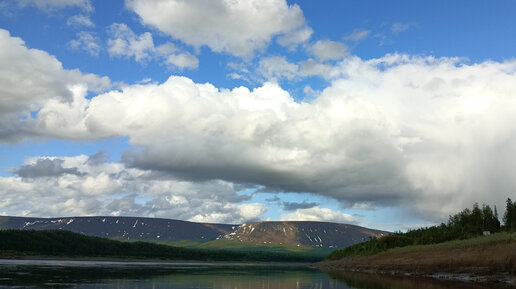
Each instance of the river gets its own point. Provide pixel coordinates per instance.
(143, 275)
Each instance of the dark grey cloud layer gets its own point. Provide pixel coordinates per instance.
(45, 168)
(292, 206)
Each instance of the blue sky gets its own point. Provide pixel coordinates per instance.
(387, 114)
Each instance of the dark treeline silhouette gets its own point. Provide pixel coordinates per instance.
(509, 218)
(68, 244)
(464, 225)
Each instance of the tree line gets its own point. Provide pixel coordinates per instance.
(69, 244)
(464, 225)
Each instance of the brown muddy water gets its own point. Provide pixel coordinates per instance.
(143, 275)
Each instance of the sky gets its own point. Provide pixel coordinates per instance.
(385, 114)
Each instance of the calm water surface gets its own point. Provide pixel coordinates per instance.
(97, 274)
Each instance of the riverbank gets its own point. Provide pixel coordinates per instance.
(483, 259)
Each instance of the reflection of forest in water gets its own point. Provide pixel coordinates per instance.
(373, 281)
(167, 276)
(175, 276)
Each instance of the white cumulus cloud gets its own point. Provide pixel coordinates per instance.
(124, 42)
(232, 214)
(356, 35)
(292, 39)
(31, 77)
(88, 185)
(182, 60)
(328, 50)
(87, 42)
(80, 20)
(318, 214)
(277, 67)
(238, 27)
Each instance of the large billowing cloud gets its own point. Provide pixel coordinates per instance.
(338, 146)
(430, 134)
(30, 77)
(238, 27)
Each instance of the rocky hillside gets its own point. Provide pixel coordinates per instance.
(306, 234)
(314, 234)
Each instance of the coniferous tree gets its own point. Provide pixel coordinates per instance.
(475, 221)
(509, 218)
(490, 219)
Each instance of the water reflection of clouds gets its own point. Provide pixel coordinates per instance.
(143, 275)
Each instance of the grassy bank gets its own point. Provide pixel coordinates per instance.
(486, 255)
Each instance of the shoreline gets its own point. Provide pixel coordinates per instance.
(466, 276)
(376, 280)
(44, 260)
(479, 260)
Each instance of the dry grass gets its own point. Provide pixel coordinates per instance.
(495, 254)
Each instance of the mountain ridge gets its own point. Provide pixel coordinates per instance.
(185, 233)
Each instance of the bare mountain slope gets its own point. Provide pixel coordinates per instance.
(314, 234)
(124, 228)
(306, 234)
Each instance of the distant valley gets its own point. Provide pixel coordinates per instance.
(278, 235)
